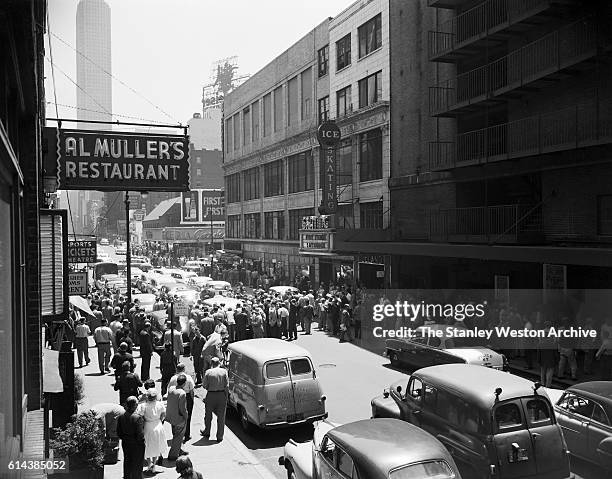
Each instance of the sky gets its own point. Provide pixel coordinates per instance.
(164, 49)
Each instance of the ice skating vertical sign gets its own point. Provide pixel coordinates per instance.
(328, 135)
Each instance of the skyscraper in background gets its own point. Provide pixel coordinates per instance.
(94, 95)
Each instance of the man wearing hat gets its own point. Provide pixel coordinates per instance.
(130, 429)
(216, 384)
(176, 415)
(127, 383)
(121, 357)
(146, 350)
(124, 335)
(189, 388)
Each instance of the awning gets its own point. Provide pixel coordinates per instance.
(81, 303)
(516, 254)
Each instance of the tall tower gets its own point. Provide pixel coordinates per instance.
(94, 95)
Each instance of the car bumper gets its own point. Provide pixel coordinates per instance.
(281, 424)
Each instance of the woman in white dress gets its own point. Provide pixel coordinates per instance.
(154, 413)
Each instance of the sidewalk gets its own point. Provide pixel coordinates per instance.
(229, 458)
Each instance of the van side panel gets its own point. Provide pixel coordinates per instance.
(278, 393)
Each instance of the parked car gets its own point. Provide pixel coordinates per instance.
(494, 424)
(104, 242)
(222, 300)
(145, 300)
(186, 293)
(110, 281)
(430, 350)
(121, 250)
(183, 276)
(283, 290)
(583, 412)
(219, 286)
(199, 282)
(370, 448)
(273, 383)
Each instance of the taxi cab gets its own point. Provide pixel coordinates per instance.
(424, 350)
(494, 424)
(370, 449)
(272, 383)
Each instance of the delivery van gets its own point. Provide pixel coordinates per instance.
(272, 383)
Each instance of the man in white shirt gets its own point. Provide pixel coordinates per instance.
(81, 341)
(189, 388)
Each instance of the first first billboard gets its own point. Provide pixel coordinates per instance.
(121, 161)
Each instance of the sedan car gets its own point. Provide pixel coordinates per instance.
(430, 350)
(283, 290)
(584, 412)
(104, 242)
(199, 282)
(370, 448)
(145, 300)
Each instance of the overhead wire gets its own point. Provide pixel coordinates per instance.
(114, 77)
(99, 111)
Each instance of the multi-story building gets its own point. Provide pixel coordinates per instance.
(270, 146)
(512, 180)
(205, 168)
(22, 116)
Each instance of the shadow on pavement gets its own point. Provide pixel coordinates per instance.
(267, 439)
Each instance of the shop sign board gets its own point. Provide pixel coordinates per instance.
(319, 241)
(322, 222)
(329, 136)
(77, 284)
(181, 308)
(82, 251)
(121, 161)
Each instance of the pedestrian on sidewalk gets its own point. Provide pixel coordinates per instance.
(346, 324)
(121, 357)
(127, 384)
(189, 389)
(81, 341)
(216, 384)
(154, 414)
(196, 346)
(176, 415)
(167, 364)
(185, 468)
(130, 429)
(146, 350)
(308, 315)
(102, 337)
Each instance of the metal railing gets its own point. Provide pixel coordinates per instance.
(581, 125)
(481, 20)
(551, 53)
(503, 223)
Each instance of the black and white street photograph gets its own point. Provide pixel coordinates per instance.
(306, 239)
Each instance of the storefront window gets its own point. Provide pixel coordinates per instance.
(6, 317)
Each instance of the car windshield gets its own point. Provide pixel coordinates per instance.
(423, 470)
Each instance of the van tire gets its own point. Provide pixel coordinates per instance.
(244, 419)
(393, 359)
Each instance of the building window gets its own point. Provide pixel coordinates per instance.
(343, 101)
(344, 216)
(278, 109)
(370, 155)
(371, 215)
(370, 36)
(198, 171)
(323, 60)
(274, 179)
(295, 221)
(274, 225)
(236, 131)
(604, 215)
(232, 188)
(246, 126)
(252, 225)
(301, 172)
(324, 109)
(251, 184)
(343, 52)
(199, 160)
(255, 120)
(370, 90)
(344, 162)
(306, 94)
(232, 226)
(292, 104)
(229, 135)
(267, 114)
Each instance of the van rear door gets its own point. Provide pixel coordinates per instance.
(548, 446)
(306, 390)
(278, 391)
(513, 442)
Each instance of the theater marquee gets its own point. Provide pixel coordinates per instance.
(111, 161)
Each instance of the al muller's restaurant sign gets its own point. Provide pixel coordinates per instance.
(112, 161)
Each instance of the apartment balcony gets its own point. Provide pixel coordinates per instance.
(465, 33)
(567, 47)
(504, 224)
(579, 126)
